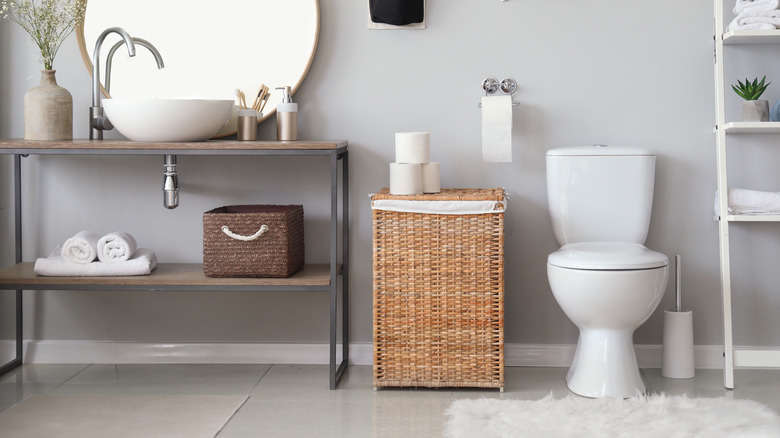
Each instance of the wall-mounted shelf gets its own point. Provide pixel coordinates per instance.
(189, 276)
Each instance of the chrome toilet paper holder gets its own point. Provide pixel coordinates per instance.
(506, 86)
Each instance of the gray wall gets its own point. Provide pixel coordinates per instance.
(620, 73)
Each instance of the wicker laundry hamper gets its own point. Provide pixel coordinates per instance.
(438, 291)
(253, 241)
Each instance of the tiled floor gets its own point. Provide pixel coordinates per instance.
(293, 400)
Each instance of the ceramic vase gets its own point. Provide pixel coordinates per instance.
(755, 111)
(774, 112)
(48, 110)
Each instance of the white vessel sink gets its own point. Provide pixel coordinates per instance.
(161, 120)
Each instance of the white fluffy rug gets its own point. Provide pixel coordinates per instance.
(652, 416)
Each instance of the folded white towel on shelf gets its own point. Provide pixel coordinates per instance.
(81, 248)
(744, 201)
(734, 25)
(142, 263)
(116, 247)
(764, 20)
(755, 5)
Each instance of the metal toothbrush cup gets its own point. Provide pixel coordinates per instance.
(247, 125)
(678, 360)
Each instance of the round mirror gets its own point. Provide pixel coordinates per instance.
(209, 52)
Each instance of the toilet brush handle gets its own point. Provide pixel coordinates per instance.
(678, 288)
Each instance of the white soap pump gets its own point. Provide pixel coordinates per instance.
(286, 117)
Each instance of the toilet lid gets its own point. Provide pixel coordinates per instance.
(607, 256)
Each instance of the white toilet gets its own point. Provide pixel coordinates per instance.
(604, 279)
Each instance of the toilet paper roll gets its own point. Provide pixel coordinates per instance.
(412, 147)
(405, 178)
(678, 345)
(431, 178)
(497, 129)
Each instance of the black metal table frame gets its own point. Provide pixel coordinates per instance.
(340, 153)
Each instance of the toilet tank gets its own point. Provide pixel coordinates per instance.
(600, 193)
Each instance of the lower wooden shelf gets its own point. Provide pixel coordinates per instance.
(168, 276)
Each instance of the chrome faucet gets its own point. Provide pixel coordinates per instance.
(137, 41)
(97, 121)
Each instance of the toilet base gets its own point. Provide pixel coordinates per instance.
(605, 365)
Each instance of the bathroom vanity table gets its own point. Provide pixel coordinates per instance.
(190, 276)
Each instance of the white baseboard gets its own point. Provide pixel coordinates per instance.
(541, 355)
(136, 352)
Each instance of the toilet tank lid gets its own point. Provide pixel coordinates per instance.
(607, 256)
(598, 150)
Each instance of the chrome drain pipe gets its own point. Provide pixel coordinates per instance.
(170, 183)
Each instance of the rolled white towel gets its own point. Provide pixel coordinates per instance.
(142, 263)
(81, 248)
(744, 201)
(764, 20)
(755, 5)
(116, 247)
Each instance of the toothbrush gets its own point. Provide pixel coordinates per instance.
(262, 98)
(241, 99)
(263, 93)
(265, 100)
(259, 98)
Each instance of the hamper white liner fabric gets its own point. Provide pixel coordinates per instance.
(440, 207)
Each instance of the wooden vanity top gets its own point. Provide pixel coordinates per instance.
(10, 146)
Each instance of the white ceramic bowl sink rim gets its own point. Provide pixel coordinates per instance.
(168, 120)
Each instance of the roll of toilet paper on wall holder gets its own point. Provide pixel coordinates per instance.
(678, 360)
(431, 177)
(406, 178)
(412, 147)
(497, 129)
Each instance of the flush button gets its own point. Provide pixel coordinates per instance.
(599, 145)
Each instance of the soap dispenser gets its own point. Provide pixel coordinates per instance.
(286, 117)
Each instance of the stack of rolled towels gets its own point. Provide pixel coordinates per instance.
(412, 172)
(88, 254)
(756, 15)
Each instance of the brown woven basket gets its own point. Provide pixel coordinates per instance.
(439, 295)
(229, 249)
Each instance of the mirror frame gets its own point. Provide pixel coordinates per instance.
(86, 56)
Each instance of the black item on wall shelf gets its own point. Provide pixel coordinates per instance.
(397, 12)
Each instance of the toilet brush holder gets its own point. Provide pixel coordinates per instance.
(678, 360)
(678, 345)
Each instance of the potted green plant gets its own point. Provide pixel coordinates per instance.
(48, 108)
(753, 110)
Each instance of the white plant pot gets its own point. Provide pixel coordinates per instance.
(755, 111)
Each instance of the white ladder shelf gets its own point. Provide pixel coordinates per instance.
(741, 357)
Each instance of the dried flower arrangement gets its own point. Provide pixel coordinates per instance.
(48, 22)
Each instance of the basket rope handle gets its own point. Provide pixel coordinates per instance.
(259, 233)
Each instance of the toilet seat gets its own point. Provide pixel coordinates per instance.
(604, 256)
